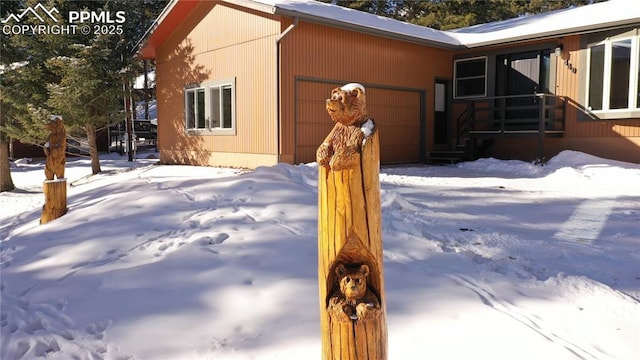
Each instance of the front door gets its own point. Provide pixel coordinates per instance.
(520, 76)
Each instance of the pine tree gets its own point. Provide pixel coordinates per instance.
(79, 76)
(453, 14)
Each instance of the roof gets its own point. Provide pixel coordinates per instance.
(339, 16)
(604, 15)
(587, 18)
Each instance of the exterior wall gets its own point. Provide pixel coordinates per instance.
(338, 56)
(609, 138)
(218, 41)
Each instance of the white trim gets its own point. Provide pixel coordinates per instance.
(194, 90)
(208, 86)
(455, 77)
(634, 68)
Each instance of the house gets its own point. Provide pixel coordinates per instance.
(243, 82)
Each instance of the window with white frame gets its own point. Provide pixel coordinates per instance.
(613, 83)
(195, 108)
(470, 77)
(210, 107)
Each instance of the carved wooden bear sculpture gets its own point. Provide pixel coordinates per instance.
(348, 109)
(55, 149)
(354, 301)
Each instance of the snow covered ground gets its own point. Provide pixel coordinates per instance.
(488, 259)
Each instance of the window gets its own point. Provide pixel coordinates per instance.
(195, 108)
(221, 107)
(613, 83)
(470, 77)
(211, 108)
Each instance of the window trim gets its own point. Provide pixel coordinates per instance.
(208, 100)
(633, 107)
(194, 89)
(456, 79)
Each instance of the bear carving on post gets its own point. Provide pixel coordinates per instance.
(55, 149)
(353, 301)
(350, 266)
(55, 191)
(347, 107)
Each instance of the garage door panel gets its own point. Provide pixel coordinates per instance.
(397, 113)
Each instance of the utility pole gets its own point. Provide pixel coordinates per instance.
(129, 119)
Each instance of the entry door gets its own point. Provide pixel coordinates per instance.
(441, 123)
(523, 73)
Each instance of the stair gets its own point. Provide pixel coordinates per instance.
(446, 157)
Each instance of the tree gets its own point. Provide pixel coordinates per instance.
(452, 14)
(76, 75)
(20, 91)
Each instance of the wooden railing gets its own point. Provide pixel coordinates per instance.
(536, 115)
(517, 115)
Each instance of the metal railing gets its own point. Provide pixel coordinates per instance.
(536, 115)
(516, 115)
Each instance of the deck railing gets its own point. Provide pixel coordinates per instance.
(541, 115)
(516, 115)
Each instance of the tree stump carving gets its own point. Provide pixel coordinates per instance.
(351, 285)
(55, 149)
(55, 190)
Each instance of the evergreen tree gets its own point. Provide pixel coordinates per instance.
(79, 76)
(453, 14)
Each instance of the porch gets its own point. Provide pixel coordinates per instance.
(485, 119)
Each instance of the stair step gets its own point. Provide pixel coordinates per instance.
(446, 156)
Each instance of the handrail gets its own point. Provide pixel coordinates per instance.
(495, 115)
(484, 98)
(461, 126)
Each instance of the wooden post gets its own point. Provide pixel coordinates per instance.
(350, 249)
(55, 199)
(55, 191)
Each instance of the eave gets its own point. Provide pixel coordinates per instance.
(171, 17)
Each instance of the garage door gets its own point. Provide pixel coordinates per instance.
(397, 113)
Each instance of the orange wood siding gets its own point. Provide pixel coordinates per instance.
(610, 138)
(323, 52)
(569, 85)
(617, 139)
(219, 42)
(397, 116)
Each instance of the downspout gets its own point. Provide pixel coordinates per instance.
(279, 38)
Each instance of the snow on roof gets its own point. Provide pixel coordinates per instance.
(604, 15)
(607, 14)
(344, 17)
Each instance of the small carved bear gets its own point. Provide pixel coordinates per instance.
(348, 109)
(55, 149)
(354, 301)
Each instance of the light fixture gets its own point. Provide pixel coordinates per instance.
(558, 50)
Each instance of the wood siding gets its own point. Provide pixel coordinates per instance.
(397, 116)
(280, 89)
(572, 85)
(216, 42)
(616, 139)
(398, 73)
(610, 138)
